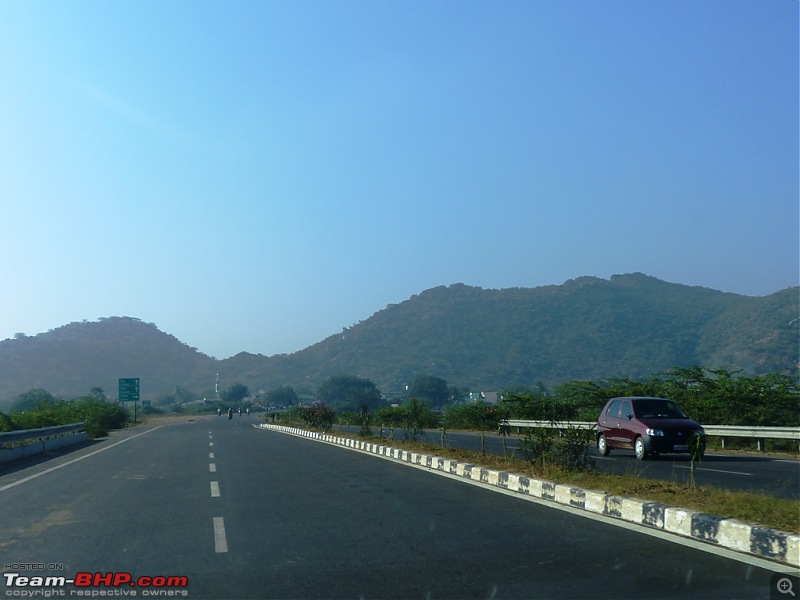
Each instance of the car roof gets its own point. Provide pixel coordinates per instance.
(639, 398)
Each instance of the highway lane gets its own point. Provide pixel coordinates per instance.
(123, 504)
(778, 477)
(301, 519)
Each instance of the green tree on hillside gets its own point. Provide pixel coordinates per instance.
(347, 392)
(282, 396)
(235, 394)
(433, 390)
(28, 400)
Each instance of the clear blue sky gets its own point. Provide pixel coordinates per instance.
(255, 176)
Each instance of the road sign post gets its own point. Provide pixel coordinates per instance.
(129, 392)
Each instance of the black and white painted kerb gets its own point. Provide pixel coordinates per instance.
(772, 544)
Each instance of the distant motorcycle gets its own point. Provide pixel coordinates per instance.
(230, 413)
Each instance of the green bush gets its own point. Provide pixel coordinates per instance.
(568, 448)
(318, 416)
(413, 418)
(98, 415)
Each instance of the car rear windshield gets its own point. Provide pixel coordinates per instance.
(658, 409)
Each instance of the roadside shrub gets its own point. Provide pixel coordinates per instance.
(480, 417)
(536, 445)
(416, 417)
(99, 417)
(6, 422)
(364, 419)
(568, 448)
(318, 416)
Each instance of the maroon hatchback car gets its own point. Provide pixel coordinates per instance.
(648, 426)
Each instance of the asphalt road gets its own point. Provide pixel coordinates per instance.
(242, 512)
(777, 477)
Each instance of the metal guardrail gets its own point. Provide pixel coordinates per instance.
(24, 435)
(781, 433)
(551, 424)
(748, 431)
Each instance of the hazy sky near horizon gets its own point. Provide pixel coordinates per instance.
(255, 176)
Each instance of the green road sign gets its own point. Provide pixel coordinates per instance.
(129, 389)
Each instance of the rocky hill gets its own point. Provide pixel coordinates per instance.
(588, 328)
(69, 360)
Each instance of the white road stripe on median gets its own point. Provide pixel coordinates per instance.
(210, 455)
(696, 468)
(215, 489)
(714, 470)
(212, 468)
(220, 540)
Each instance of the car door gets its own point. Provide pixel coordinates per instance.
(626, 432)
(609, 422)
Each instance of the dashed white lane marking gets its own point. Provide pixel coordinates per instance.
(696, 468)
(714, 470)
(220, 541)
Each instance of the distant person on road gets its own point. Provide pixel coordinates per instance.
(219, 411)
(230, 413)
(240, 412)
(248, 410)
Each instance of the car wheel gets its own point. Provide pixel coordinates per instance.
(602, 446)
(639, 449)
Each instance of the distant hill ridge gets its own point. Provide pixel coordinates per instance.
(631, 325)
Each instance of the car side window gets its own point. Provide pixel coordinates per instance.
(613, 408)
(627, 409)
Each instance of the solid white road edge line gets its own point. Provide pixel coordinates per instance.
(74, 460)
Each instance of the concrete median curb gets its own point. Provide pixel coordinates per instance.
(772, 544)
